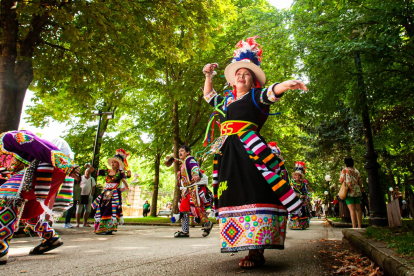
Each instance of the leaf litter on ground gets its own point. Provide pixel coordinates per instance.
(345, 261)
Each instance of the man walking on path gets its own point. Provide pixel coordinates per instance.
(87, 185)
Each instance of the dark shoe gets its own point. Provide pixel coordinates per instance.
(3, 258)
(109, 233)
(207, 229)
(46, 246)
(181, 234)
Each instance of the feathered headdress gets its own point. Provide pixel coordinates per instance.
(275, 149)
(249, 56)
(249, 50)
(121, 157)
(300, 167)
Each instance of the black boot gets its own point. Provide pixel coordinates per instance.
(3, 258)
(46, 245)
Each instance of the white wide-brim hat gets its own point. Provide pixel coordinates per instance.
(231, 69)
(299, 172)
(121, 163)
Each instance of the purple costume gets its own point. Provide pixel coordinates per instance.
(35, 175)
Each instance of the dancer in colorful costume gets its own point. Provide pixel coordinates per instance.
(36, 169)
(194, 194)
(251, 198)
(108, 204)
(300, 218)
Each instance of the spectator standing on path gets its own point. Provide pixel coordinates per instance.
(352, 179)
(146, 208)
(76, 199)
(396, 195)
(87, 185)
(364, 202)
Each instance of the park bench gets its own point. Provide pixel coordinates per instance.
(164, 213)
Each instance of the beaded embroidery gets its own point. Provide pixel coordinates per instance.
(22, 138)
(61, 161)
(210, 95)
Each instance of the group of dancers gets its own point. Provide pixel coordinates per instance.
(36, 184)
(252, 196)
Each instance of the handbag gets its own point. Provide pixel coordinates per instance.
(344, 190)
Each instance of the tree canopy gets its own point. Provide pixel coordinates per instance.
(143, 60)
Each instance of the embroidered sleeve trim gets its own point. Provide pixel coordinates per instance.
(271, 96)
(195, 171)
(210, 95)
(62, 162)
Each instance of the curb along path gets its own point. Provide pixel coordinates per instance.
(379, 253)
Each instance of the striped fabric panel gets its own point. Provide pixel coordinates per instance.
(260, 151)
(96, 202)
(11, 189)
(115, 202)
(65, 195)
(215, 181)
(263, 158)
(43, 180)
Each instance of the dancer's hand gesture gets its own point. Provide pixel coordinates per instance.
(208, 69)
(289, 85)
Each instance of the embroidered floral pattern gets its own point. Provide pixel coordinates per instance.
(22, 138)
(209, 96)
(3, 150)
(61, 161)
(252, 226)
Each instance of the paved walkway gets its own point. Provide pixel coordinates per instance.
(151, 250)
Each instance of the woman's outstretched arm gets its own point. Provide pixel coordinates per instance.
(208, 70)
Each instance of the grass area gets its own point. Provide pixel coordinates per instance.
(399, 238)
(340, 220)
(148, 220)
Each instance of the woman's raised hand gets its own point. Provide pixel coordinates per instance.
(208, 69)
(289, 85)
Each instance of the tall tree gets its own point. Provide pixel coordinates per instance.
(84, 42)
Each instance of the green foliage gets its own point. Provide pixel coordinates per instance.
(401, 239)
(144, 60)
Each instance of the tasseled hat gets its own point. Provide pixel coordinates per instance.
(249, 56)
(275, 149)
(121, 157)
(300, 167)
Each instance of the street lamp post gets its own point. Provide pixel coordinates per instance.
(328, 180)
(327, 203)
(109, 115)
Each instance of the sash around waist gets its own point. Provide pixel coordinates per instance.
(236, 127)
(111, 186)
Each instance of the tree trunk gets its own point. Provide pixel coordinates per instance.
(376, 197)
(16, 68)
(176, 142)
(101, 133)
(10, 110)
(156, 185)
